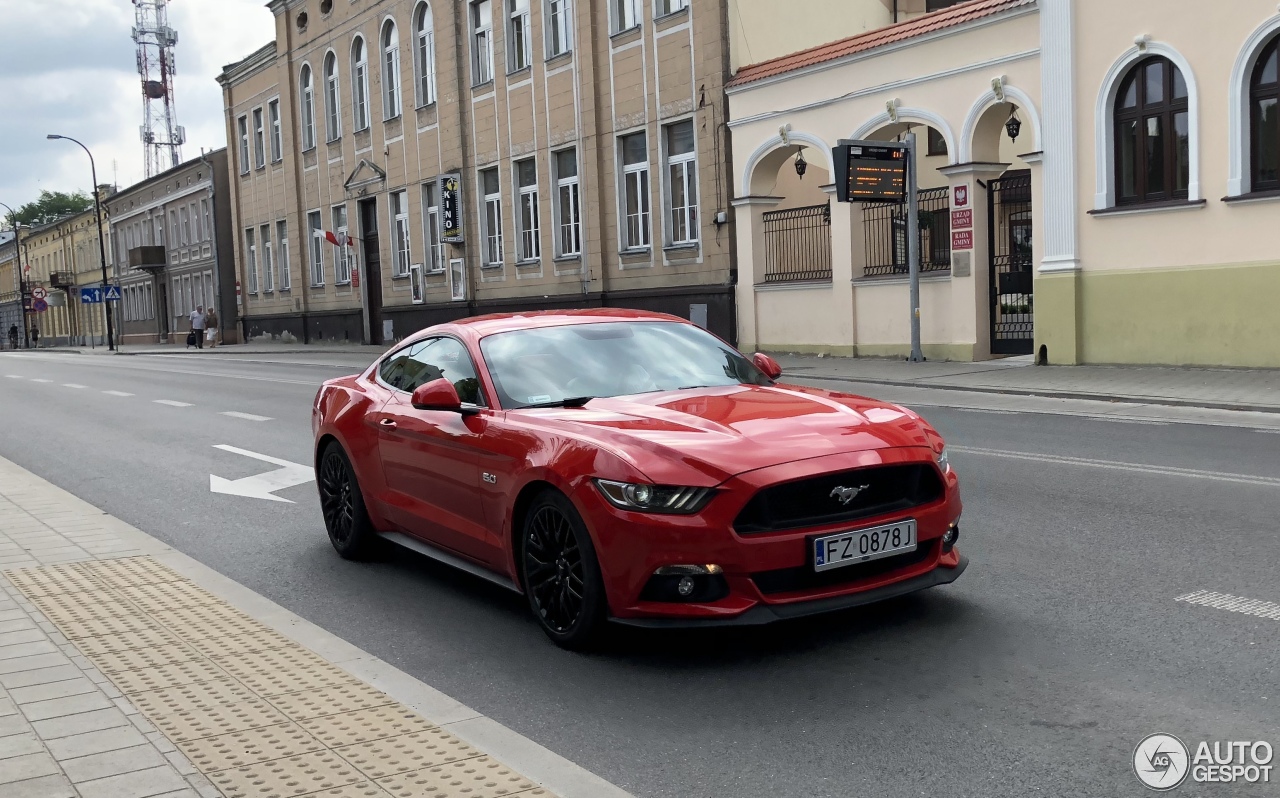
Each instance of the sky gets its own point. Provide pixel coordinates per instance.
(70, 67)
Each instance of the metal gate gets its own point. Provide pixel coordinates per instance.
(1009, 236)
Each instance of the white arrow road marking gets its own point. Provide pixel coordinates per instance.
(262, 486)
(1114, 465)
(117, 393)
(33, 379)
(245, 416)
(171, 403)
(1224, 601)
(15, 376)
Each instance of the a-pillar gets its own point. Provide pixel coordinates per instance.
(971, 268)
(748, 221)
(846, 243)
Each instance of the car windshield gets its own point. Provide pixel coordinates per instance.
(552, 364)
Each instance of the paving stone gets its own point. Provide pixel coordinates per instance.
(29, 766)
(13, 724)
(124, 641)
(482, 777)
(69, 705)
(161, 676)
(190, 697)
(21, 650)
(94, 742)
(7, 707)
(133, 659)
(138, 784)
(284, 778)
(180, 763)
(364, 725)
(29, 635)
(55, 786)
(407, 752)
(19, 745)
(112, 763)
(44, 692)
(39, 661)
(238, 749)
(79, 724)
(330, 700)
(210, 721)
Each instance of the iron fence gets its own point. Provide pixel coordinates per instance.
(797, 244)
(885, 225)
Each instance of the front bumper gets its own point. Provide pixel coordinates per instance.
(762, 614)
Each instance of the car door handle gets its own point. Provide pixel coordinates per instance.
(387, 423)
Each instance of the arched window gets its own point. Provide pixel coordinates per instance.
(333, 111)
(425, 54)
(359, 84)
(1264, 121)
(390, 70)
(1152, 134)
(308, 109)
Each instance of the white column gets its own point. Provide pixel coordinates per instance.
(1057, 92)
(748, 222)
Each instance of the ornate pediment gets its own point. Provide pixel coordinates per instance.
(365, 175)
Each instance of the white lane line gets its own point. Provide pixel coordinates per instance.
(245, 416)
(172, 403)
(72, 385)
(37, 379)
(1224, 601)
(1168, 471)
(117, 393)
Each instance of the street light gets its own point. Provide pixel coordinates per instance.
(102, 241)
(18, 275)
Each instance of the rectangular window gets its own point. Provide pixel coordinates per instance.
(207, 216)
(243, 129)
(315, 234)
(682, 183)
(635, 191)
(273, 118)
(568, 215)
(268, 266)
(186, 226)
(400, 217)
(492, 217)
(481, 42)
(150, 305)
(559, 27)
(175, 298)
(527, 226)
(431, 230)
(626, 14)
(342, 258)
(425, 54)
(259, 143)
(519, 49)
(250, 261)
(671, 6)
(282, 255)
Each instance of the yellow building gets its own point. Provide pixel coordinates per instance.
(63, 257)
(10, 298)
(1131, 220)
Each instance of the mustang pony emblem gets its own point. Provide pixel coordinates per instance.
(845, 495)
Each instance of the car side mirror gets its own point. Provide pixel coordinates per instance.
(437, 395)
(767, 364)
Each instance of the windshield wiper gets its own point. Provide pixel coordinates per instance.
(572, 401)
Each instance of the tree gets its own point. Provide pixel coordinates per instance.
(51, 206)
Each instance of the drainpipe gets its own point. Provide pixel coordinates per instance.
(895, 12)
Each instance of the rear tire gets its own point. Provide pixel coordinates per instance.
(342, 504)
(561, 573)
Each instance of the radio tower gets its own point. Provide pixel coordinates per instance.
(162, 137)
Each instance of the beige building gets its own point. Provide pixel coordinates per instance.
(65, 256)
(10, 297)
(480, 156)
(1130, 221)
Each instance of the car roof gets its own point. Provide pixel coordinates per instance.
(493, 323)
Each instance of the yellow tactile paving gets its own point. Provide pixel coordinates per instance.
(481, 777)
(364, 725)
(259, 715)
(249, 747)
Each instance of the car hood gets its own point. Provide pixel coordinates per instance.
(721, 432)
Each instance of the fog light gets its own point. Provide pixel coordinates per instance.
(680, 570)
(685, 586)
(950, 537)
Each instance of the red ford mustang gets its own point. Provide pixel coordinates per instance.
(629, 466)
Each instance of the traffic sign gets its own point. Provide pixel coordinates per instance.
(40, 292)
(112, 293)
(90, 296)
(39, 306)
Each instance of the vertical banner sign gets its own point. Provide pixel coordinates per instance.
(961, 218)
(451, 208)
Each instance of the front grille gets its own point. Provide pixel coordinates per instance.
(808, 502)
(792, 580)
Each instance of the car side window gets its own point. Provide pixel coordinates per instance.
(446, 357)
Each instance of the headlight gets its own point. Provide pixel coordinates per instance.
(944, 462)
(654, 498)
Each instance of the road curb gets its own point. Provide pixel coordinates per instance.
(1054, 394)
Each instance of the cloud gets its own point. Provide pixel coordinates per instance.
(73, 71)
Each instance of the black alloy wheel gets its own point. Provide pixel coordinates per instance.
(561, 576)
(342, 504)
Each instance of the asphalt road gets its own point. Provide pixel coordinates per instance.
(1035, 674)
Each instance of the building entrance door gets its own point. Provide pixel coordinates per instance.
(1009, 234)
(372, 265)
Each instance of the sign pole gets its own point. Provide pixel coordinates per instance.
(913, 246)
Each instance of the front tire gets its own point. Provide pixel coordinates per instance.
(342, 504)
(561, 574)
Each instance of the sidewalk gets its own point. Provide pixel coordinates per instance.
(227, 350)
(128, 670)
(1222, 389)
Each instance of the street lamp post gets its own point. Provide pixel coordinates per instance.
(18, 276)
(102, 241)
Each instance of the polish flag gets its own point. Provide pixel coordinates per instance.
(337, 239)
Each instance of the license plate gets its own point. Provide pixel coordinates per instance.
(863, 545)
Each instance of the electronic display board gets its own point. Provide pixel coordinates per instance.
(870, 171)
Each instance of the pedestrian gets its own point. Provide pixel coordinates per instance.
(211, 327)
(13, 336)
(198, 325)
(35, 336)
